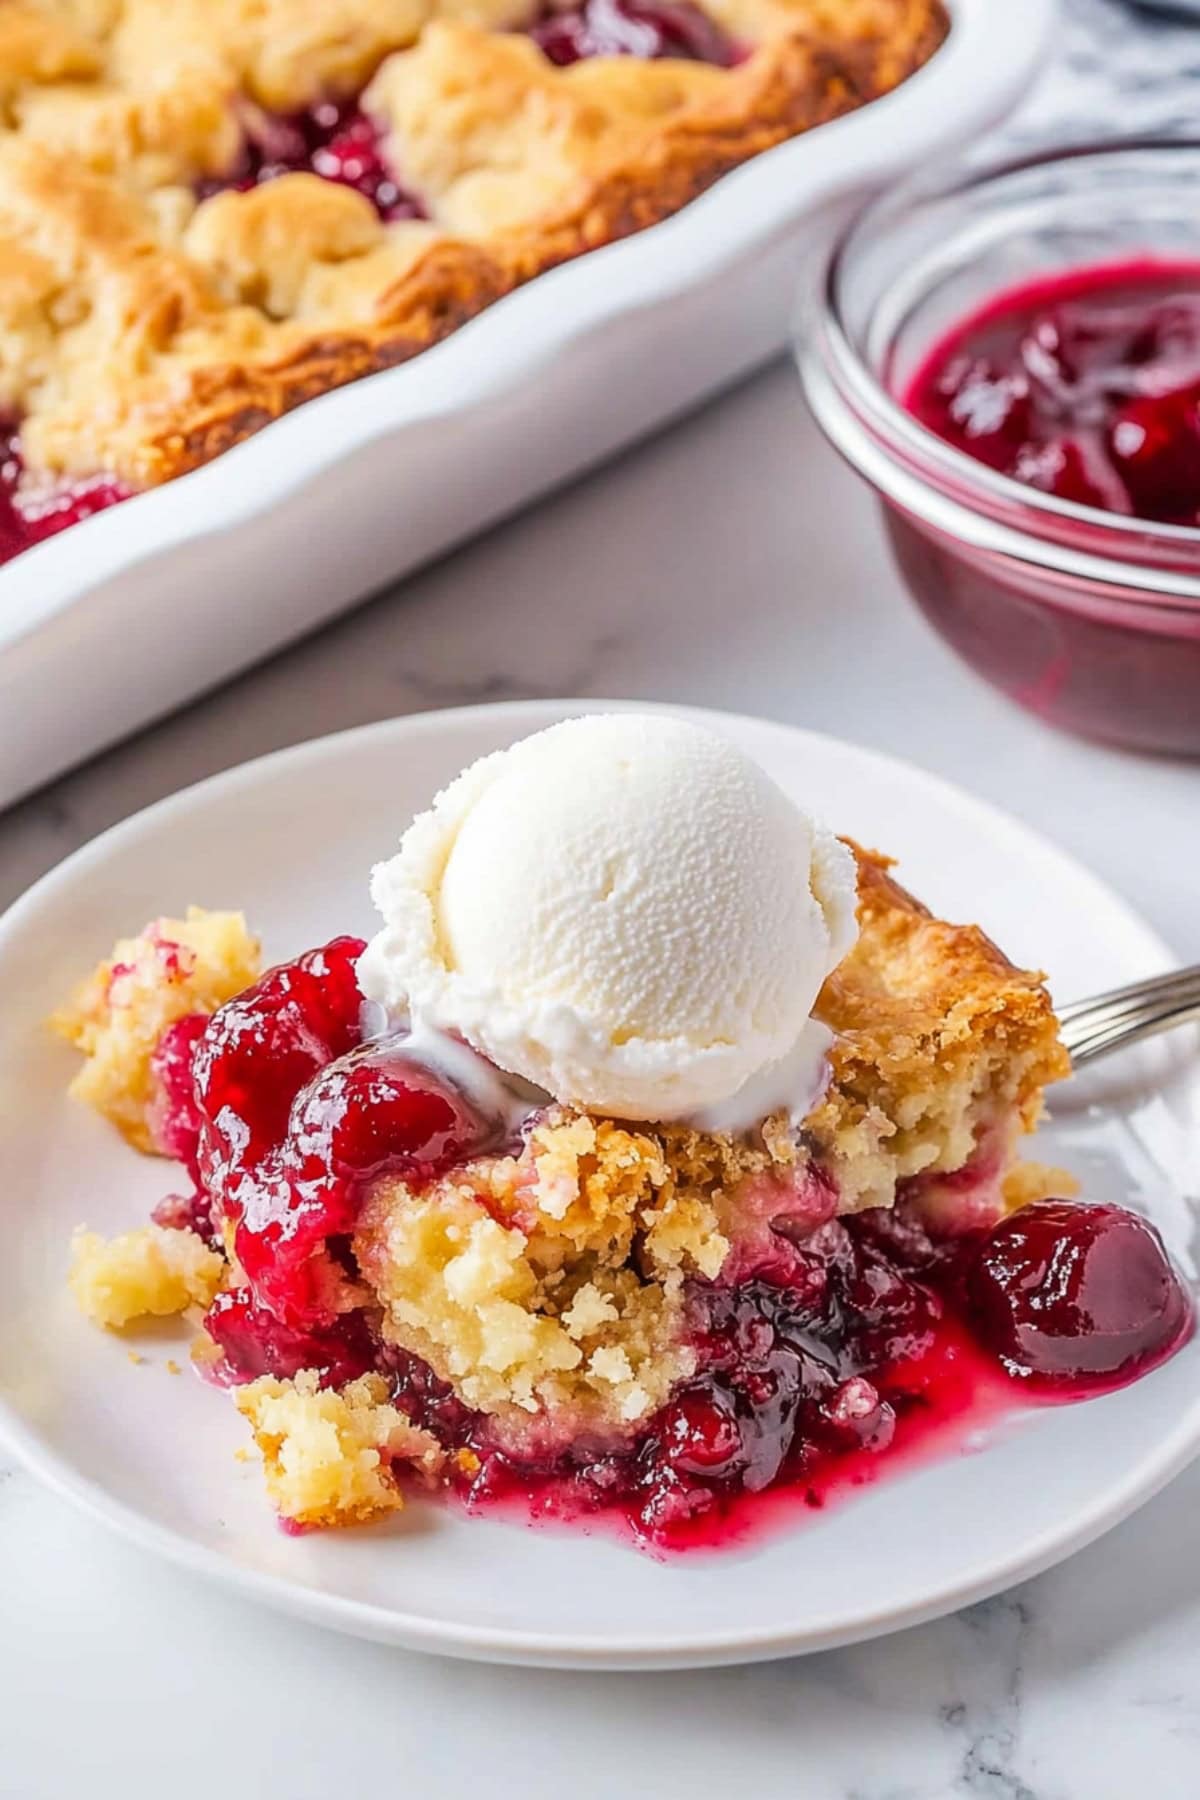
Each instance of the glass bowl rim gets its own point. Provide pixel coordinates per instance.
(858, 386)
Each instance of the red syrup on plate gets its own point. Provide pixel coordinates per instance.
(837, 1353)
(665, 1498)
(332, 138)
(1084, 387)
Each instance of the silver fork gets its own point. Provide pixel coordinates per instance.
(1092, 1028)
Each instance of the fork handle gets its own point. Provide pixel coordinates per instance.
(1094, 1028)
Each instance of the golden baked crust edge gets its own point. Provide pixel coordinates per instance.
(787, 86)
(940, 1043)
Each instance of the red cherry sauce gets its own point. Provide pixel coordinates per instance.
(336, 139)
(1076, 1298)
(644, 28)
(253, 1341)
(30, 515)
(331, 138)
(803, 1393)
(833, 1350)
(298, 1115)
(176, 1122)
(1084, 386)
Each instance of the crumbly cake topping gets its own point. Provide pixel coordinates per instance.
(332, 1458)
(146, 322)
(513, 1277)
(149, 1272)
(937, 1037)
(175, 968)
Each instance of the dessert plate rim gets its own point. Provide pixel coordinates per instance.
(640, 1647)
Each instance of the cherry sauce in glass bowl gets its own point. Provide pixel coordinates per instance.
(1012, 359)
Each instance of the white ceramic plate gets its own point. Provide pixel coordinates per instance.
(134, 611)
(290, 839)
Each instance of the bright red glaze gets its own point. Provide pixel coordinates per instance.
(830, 1342)
(253, 1342)
(332, 138)
(1086, 386)
(298, 1116)
(1083, 386)
(29, 517)
(261, 1049)
(935, 1398)
(176, 1121)
(1079, 1295)
(644, 28)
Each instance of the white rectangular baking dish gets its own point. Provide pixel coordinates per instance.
(127, 615)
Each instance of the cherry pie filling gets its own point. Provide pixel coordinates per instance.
(30, 513)
(645, 28)
(335, 139)
(837, 1342)
(1085, 386)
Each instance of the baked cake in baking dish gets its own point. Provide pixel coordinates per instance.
(659, 1150)
(213, 210)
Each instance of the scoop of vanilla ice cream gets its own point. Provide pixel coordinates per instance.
(624, 910)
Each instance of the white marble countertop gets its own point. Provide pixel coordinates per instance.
(731, 563)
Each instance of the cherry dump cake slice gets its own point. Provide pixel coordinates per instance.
(425, 1253)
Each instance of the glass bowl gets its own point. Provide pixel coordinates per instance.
(1090, 619)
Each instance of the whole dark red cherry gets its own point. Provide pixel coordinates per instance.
(700, 1433)
(1068, 1293)
(377, 1110)
(1155, 444)
(254, 1342)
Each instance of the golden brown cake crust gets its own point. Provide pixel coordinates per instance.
(142, 333)
(913, 979)
(214, 407)
(936, 1033)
